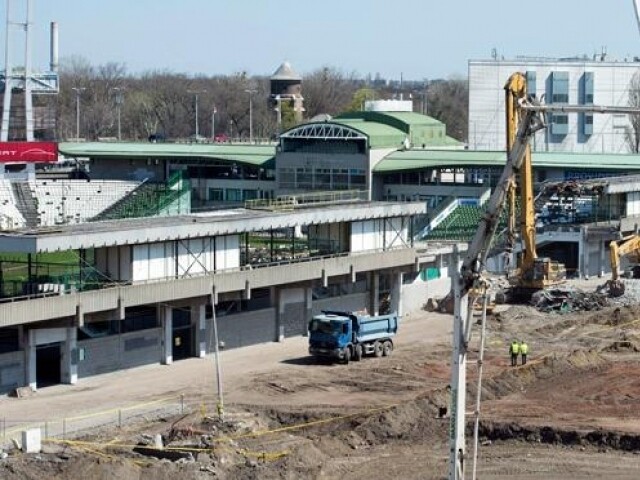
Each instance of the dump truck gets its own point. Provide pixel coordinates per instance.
(345, 336)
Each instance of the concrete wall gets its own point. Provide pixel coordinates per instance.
(107, 354)
(12, 371)
(416, 294)
(353, 302)
(242, 329)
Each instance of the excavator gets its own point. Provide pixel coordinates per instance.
(523, 119)
(628, 246)
(532, 273)
(525, 116)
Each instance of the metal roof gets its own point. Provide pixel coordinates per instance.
(285, 72)
(380, 135)
(205, 224)
(257, 155)
(419, 159)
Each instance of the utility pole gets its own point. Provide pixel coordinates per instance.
(195, 94)
(119, 100)
(250, 92)
(213, 123)
(78, 91)
(220, 403)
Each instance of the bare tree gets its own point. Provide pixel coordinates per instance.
(327, 91)
(448, 101)
(633, 130)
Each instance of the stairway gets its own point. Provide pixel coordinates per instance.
(26, 203)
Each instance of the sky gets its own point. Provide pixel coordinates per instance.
(418, 39)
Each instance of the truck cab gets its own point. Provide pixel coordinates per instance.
(330, 334)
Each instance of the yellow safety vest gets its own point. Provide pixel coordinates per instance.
(515, 348)
(524, 348)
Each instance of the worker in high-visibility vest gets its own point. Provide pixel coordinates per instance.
(524, 350)
(514, 349)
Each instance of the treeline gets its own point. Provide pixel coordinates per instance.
(163, 103)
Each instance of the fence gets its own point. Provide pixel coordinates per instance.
(73, 426)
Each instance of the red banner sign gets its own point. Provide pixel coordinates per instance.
(28, 152)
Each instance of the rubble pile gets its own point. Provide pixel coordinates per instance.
(567, 299)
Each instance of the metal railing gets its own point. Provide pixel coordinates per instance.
(291, 202)
(98, 285)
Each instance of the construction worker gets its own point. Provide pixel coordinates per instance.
(514, 349)
(524, 350)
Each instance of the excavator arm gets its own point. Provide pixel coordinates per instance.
(629, 245)
(525, 122)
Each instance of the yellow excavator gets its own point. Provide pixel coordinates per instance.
(628, 246)
(524, 118)
(532, 273)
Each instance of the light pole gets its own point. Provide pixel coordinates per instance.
(78, 91)
(119, 99)
(213, 123)
(250, 91)
(195, 94)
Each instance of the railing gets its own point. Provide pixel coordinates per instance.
(291, 202)
(114, 283)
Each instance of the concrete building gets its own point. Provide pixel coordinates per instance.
(578, 80)
(143, 290)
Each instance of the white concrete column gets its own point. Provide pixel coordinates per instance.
(586, 252)
(581, 250)
(374, 301)
(201, 328)
(602, 266)
(30, 353)
(167, 334)
(308, 308)
(70, 357)
(396, 294)
(279, 316)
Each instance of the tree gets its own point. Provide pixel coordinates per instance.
(448, 101)
(361, 96)
(633, 130)
(327, 91)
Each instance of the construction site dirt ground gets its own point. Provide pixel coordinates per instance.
(571, 412)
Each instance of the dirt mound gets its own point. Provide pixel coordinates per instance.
(517, 379)
(546, 434)
(621, 346)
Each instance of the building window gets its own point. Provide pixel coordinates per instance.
(322, 178)
(233, 195)
(531, 83)
(287, 177)
(249, 194)
(304, 178)
(340, 178)
(216, 195)
(357, 178)
(559, 87)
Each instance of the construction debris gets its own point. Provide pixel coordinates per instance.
(567, 299)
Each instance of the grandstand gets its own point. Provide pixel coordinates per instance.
(75, 201)
(460, 224)
(151, 199)
(10, 216)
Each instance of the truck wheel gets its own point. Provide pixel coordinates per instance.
(357, 356)
(377, 349)
(387, 348)
(347, 355)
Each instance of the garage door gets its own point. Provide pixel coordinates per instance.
(249, 328)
